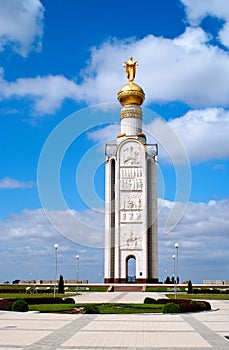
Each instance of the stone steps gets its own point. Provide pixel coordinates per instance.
(125, 288)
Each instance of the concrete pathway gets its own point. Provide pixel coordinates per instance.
(115, 297)
(34, 331)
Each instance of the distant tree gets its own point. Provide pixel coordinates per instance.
(167, 280)
(61, 285)
(190, 287)
(16, 281)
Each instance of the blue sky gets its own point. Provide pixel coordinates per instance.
(60, 71)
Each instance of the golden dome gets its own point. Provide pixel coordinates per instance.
(131, 93)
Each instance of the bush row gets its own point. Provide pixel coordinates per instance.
(184, 304)
(209, 291)
(12, 290)
(6, 304)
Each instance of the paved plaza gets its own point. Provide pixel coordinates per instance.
(34, 331)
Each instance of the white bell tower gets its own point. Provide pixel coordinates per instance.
(131, 230)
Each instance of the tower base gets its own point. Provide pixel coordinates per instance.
(125, 281)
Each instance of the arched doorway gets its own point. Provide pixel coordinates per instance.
(131, 269)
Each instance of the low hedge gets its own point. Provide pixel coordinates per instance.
(205, 291)
(6, 304)
(13, 290)
(149, 300)
(185, 304)
(69, 301)
(43, 300)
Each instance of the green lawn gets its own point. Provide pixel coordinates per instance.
(110, 308)
(27, 295)
(203, 296)
(52, 307)
(129, 308)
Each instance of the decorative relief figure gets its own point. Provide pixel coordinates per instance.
(126, 173)
(131, 179)
(131, 185)
(131, 154)
(131, 216)
(130, 239)
(131, 200)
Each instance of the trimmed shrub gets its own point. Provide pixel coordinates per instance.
(91, 309)
(149, 300)
(20, 305)
(61, 285)
(69, 301)
(190, 287)
(171, 308)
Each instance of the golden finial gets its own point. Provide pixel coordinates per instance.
(130, 68)
(131, 93)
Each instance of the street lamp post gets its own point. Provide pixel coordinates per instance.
(77, 272)
(174, 275)
(55, 275)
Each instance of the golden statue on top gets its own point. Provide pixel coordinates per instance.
(131, 93)
(130, 68)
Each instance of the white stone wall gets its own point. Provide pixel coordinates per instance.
(131, 126)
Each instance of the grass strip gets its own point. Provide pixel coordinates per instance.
(203, 296)
(109, 308)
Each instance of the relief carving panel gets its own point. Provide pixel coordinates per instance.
(131, 154)
(132, 184)
(130, 238)
(131, 200)
(131, 216)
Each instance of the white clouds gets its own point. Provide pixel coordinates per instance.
(197, 10)
(9, 183)
(202, 134)
(186, 68)
(21, 25)
(203, 237)
(202, 234)
(47, 92)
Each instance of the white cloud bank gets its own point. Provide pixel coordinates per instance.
(9, 183)
(197, 10)
(21, 25)
(186, 68)
(202, 133)
(202, 234)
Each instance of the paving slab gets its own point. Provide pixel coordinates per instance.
(34, 331)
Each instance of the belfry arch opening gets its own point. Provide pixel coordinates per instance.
(131, 269)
